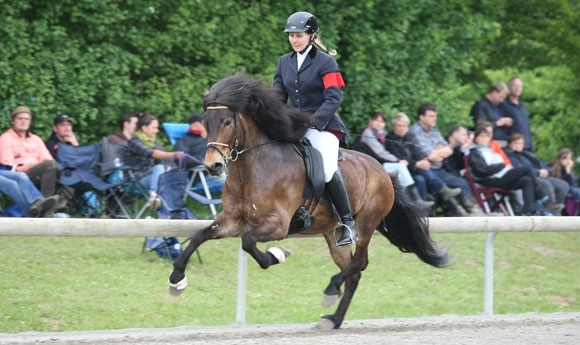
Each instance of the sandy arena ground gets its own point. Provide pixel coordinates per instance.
(529, 329)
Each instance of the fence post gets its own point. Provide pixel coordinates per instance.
(488, 284)
(242, 286)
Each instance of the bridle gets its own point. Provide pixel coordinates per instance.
(234, 151)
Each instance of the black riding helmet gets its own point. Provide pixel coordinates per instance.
(301, 22)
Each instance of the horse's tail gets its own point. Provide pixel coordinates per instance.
(407, 227)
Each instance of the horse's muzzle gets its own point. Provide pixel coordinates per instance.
(215, 169)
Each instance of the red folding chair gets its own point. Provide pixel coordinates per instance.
(493, 200)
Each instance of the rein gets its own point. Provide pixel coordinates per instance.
(234, 152)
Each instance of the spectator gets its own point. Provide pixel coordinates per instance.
(194, 143)
(27, 152)
(487, 109)
(145, 156)
(556, 189)
(18, 187)
(430, 147)
(62, 133)
(514, 108)
(127, 125)
(372, 142)
(111, 147)
(563, 168)
(396, 143)
(488, 169)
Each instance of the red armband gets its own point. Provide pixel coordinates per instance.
(332, 79)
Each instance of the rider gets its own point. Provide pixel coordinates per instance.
(310, 78)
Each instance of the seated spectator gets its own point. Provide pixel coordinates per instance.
(194, 143)
(430, 147)
(27, 153)
(111, 147)
(146, 157)
(372, 142)
(487, 109)
(495, 145)
(556, 189)
(563, 168)
(395, 142)
(489, 170)
(62, 134)
(18, 187)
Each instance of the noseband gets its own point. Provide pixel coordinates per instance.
(234, 152)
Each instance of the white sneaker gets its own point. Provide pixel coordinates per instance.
(154, 201)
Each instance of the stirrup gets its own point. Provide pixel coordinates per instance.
(348, 240)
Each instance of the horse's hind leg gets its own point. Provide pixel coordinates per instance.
(177, 280)
(350, 274)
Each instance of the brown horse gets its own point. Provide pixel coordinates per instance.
(249, 134)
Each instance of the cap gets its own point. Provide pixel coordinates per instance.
(195, 118)
(62, 118)
(19, 110)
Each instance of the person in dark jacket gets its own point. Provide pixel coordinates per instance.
(487, 109)
(556, 189)
(194, 143)
(308, 78)
(563, 168)
(489, 170)
(372, 142)
(395, 142)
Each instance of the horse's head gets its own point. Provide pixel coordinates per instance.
(242, 115)
(222, 126)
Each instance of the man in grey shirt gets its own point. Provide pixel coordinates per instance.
(430, 149)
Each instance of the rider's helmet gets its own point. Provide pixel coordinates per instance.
(301, 22)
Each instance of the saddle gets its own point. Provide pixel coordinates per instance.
(314, 186)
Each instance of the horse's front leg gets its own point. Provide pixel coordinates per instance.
(270, 231)
(177, 280)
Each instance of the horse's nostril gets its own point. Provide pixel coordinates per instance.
(215, 169)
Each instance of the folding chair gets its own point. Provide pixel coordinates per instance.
(203, 193)
(572, 207)
(77, 165)
(493, 200)
(170, 192)
(195, 192)
(175, 131)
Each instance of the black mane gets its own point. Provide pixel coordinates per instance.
(260, 103)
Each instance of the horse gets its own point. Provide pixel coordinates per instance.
(250, 135)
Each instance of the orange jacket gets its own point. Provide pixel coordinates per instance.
(496, 147)
(27, 151)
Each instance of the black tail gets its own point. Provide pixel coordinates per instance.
(407, 227)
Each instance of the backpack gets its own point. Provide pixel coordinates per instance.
(166, 247)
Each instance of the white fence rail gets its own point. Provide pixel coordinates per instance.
(84, 227)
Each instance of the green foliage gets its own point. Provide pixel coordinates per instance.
(98, 59)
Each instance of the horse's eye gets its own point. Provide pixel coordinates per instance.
(227, 123)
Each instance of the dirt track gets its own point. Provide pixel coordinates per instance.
(529, 329)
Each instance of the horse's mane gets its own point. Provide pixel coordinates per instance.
(262, 105)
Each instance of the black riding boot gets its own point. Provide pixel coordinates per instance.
(337, 192)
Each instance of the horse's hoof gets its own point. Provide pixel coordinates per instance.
(280, 253)
(177, 288)
(329, 300)
(325, 324)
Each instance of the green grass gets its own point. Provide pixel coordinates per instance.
(66, 284)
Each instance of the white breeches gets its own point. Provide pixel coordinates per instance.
(327, 144)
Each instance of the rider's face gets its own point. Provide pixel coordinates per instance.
(299, 40)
